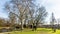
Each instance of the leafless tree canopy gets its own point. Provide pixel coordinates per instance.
(25, 10)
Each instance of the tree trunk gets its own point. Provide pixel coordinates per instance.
(21, 25)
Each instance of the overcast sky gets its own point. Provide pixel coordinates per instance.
(50, 5)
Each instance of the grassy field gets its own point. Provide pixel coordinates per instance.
(39, 31)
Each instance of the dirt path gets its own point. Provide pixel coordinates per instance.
(2, 33)
(5, 33)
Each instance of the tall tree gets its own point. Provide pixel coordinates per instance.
(19, 8)
(26, 10)
(40, 15)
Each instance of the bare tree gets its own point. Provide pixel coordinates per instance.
(40, 15)
(19, 8)
(12, 18)
(2, 22)
(26, 10)
(53, 22)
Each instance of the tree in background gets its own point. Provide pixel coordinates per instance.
(53, 22)
(3, 22)
(58, 21)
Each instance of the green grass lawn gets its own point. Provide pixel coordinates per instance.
(39, 31)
